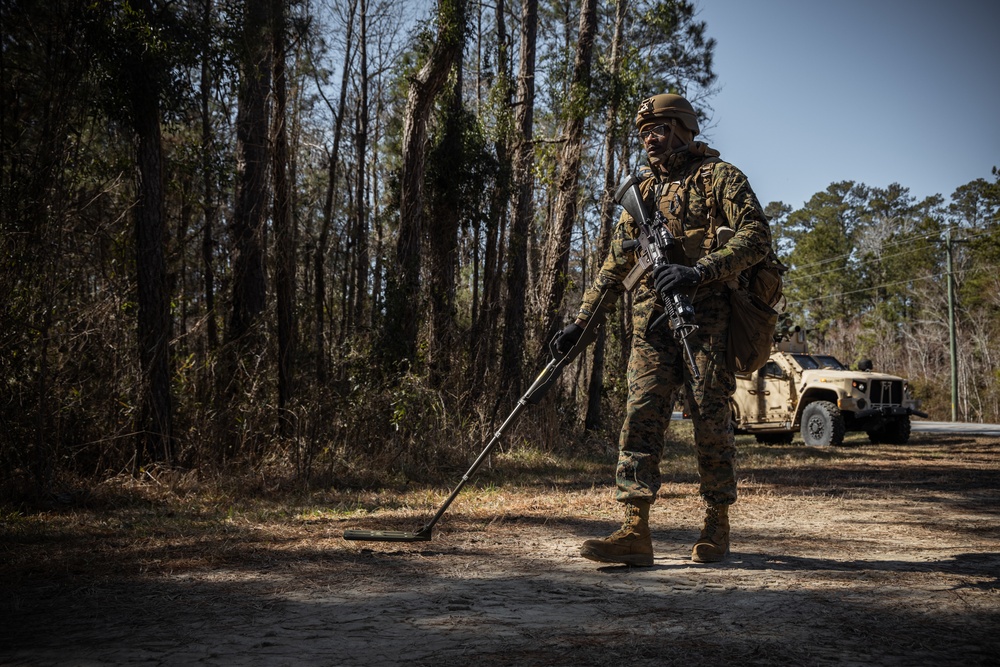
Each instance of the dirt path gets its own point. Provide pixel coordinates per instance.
(887, 556)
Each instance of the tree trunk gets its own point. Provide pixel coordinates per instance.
(155, 415)
(555, 266)
(284, 222)
(377, 222)
(399, 339)
(484, 343)
(348, 284)
(512, 356)
(595, 389)
(209, 206)
(323, 244)
(442, 235)
(249, 281)
(361, 200)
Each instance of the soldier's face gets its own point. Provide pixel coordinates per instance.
(657, 139)
(661, 139)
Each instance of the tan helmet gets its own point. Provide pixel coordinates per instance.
(664, 106)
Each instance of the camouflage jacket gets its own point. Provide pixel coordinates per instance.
(696, 185)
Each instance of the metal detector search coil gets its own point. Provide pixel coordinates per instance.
(423, 535)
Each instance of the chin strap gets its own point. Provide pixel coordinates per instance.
(660, 161)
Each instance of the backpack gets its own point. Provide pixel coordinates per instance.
(763, 279)
(753, 318)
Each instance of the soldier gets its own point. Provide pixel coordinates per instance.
(697, 193)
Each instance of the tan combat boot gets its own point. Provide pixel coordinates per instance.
(713, 545)
(630, 545)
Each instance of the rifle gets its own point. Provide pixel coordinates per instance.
(653, 243)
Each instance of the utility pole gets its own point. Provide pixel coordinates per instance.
(951, 329)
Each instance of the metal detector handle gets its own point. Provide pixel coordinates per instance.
(538, 389)
(591, 328)
(535, 392)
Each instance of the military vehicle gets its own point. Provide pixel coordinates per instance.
(820, 398)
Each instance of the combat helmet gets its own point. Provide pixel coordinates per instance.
(664, 106)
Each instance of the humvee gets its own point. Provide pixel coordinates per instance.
(820, 398)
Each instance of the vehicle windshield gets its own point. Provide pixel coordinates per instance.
(806, 362)
(814, 361)
(827, 361)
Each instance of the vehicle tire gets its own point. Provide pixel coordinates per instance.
(774, 438)
(893, 432)
(822, 424)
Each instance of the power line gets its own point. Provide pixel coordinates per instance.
(859, 291)
(880, 258)
(888, 245)
(893, 284)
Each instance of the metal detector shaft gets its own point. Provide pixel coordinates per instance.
(521, 404)
(534, 394)
(424, 533)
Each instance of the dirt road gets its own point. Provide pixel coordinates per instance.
(847, 556)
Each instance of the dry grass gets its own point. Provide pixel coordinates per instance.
(180, 568)
(169, 520)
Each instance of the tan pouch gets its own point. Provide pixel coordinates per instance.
(767, 285)
(694, 243)
(751, 331)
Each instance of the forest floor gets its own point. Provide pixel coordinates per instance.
(856, 555)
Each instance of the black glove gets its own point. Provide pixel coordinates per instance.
(672, 277)
(567, 338)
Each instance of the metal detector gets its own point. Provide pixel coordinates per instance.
(534, 394)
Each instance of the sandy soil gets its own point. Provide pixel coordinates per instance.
(860, 556)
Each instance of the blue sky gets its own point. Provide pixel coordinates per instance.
(876, 92)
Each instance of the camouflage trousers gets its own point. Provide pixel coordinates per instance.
(658, 369)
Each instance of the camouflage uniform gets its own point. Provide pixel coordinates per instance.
(658, 368)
